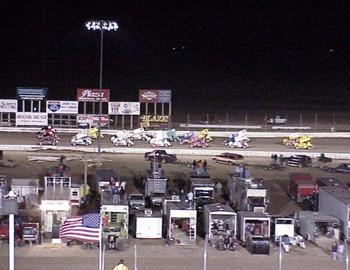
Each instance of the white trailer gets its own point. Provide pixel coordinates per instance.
(283, 226)
(55, 207)
(147, 225)
(220, 221)
(181, 224)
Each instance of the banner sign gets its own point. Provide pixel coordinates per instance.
(28, 93)
(92, 95)
(154, 96)
(164, 96)
(8, 105)
(124, 108)
(31, 119)
(62, 107)
(155, 118)
(92, 119)
(148, 96)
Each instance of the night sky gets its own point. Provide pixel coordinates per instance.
(211, 54)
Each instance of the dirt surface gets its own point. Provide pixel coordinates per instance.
(152, 254)
(132, 167)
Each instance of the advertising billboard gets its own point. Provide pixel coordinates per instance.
(31, 119)
(124, 108)
(164, 96)
(29, 93)
(62, 107)
(92, 95)
(8, 105)
(92, 119)
(148, 96)
(154, 96)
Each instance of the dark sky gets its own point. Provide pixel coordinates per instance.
(212, 54)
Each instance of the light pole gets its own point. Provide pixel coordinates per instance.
(101, 25)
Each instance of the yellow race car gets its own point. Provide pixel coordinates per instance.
(93, 133)
(204, 135)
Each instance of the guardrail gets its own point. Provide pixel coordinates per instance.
(218, 126)
(222, 134)
(290, 128)
(177, 151)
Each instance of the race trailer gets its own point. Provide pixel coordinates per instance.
(301, 187)
(202, 187)
(248, 194)
(156, 186)
(254, 231)
(220, 221)
(146, 225)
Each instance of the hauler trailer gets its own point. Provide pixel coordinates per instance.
(146, 224)
(115, 220)
(254, 231)
(281, 226)
(220, 221)
(248, 194)
(202, 187)
(302, 187)
(180, 224)
(156, 186)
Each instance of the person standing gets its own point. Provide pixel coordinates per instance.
(121, 265)
(194, 166)
(340, 251)
(205, 167)
(334, 249)
(182, 199)
(190, 198)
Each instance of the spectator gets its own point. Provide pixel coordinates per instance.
(190, 198)
(218, 188)
(334, 249)
(340, 251)
(182, 199)
(194, 166)
(121, 265)
(205, 167)
(280, 159)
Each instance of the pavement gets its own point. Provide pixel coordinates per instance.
(152, 254)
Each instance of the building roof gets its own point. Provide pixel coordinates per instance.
(218, 208)
(317, 216)
(338, 193)
(253, 214)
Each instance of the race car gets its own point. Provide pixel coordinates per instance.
(159, 142)
(80, 139)
(47, 136)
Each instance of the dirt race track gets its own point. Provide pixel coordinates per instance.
(152, 254)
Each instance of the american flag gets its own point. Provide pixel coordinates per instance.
(84, 228)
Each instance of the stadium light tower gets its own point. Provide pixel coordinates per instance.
(101, 25)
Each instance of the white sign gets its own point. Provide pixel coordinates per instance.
(31, 119)
(124, 108)
(62, 107)
(8, 105)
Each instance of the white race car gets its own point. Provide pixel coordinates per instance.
(81, 140)
(159, 142)
(120, 141)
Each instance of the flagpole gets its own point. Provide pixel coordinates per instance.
(100, 246)
(135, 258)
